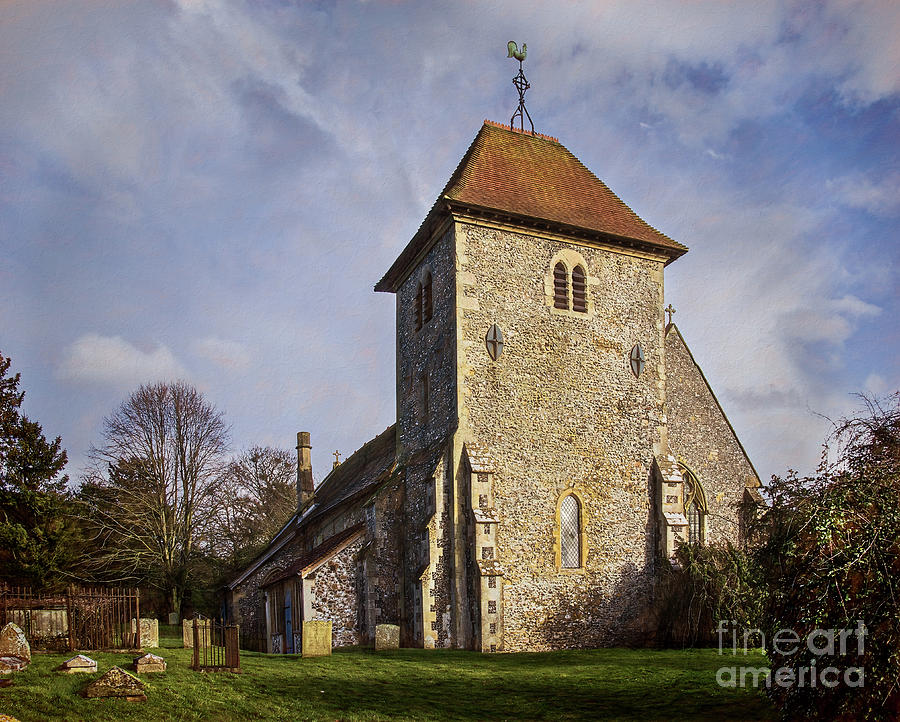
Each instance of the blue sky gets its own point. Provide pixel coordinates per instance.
(209, 190)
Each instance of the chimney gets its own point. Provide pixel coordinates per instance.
(305, 485)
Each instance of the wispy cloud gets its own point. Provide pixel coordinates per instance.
(93, 358)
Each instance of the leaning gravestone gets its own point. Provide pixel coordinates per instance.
(117, 683)
(13, 643)
(79, 664)
(387, 636)
(316, 638)
(149, 663)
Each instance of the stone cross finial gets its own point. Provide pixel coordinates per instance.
(670, 309)
(337, 459)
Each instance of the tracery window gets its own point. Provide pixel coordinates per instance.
(695, 507)
(570, 533)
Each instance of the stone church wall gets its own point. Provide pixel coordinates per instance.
(561, 410)
(338, 595)
(701, 438)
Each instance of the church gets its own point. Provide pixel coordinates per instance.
(555, 439)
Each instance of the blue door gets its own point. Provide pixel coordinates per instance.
(288, 631)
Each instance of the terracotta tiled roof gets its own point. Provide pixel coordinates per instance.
(533, 178)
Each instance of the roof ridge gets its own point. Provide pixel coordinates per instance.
(532, 133)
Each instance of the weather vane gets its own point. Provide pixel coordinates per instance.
(521, 85)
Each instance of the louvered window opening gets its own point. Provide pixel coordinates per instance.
(579, 290)
(560, 287)
(419, 296)
(569, 532)
(694, 524)
(426, 299)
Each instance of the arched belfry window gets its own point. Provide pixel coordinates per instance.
(560, 286)
(695, 508)
(566, 284)
(570, 533)
(579, 290)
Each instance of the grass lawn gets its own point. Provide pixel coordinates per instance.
(407, 684)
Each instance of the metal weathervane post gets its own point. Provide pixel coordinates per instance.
(521, 85)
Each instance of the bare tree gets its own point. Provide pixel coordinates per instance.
(259, 494)
(152, 491)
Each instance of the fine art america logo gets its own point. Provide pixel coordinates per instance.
(831, 644)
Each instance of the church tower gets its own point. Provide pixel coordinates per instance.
(531, 394)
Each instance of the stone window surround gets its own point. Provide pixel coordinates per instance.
(569, 258)
(698, 497)
(582, 532)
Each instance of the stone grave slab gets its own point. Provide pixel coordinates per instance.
(316, 638)
(12, 664)
(149, 663)
(117, 683)
(187, 631)
(149, 632)
(79, 664)
(387, 636)
(13, 642)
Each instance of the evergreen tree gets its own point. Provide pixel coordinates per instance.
(37, 532)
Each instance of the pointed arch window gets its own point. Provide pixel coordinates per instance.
(695, 508)
(570, 533)
(560, 286)
(579, 290)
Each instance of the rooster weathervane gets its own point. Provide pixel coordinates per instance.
(521, 85)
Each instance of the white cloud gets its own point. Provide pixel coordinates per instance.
(100, 359)
(860, 191)
(227, 354)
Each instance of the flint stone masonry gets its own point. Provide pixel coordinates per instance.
(702, 438)
(79, 664)
(117, 683)
(387, 636)
(13, 642)
(461, 540)
(337, 601)
(316, 638)
(149, 663)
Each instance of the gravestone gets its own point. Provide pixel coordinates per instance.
(387, 636)
(12, 664)
(117, 683)
(149, 631)
(187, 631)
(13, 643)
(316, 638)
(173, 618)
(79, 664)
(149, 663)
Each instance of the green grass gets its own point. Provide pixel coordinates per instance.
(407, 684)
